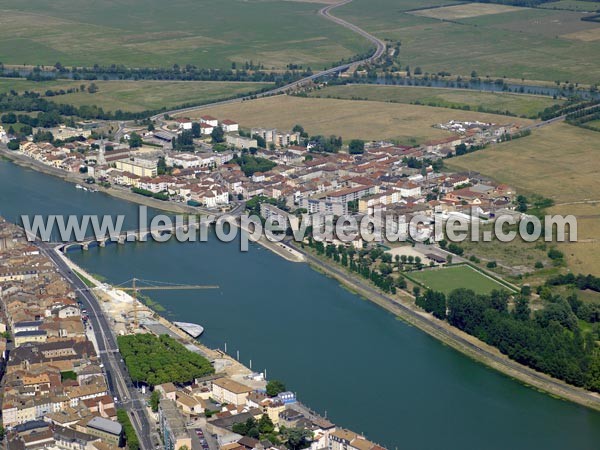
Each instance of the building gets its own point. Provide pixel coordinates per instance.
(107, 430)
(172, 425)
(229, 126)
(240, 142)
(225, 390)
(22, 337)
(209, 120)
(137, 166)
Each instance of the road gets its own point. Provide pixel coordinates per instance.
(119, 382)
(425, 323)
(325, 12)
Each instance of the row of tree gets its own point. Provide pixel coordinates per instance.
(549, 340)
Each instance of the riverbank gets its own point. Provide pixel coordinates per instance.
(24, 161)
(470, 346)
(123, 194)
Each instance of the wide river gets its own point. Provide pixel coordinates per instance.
(341, 354)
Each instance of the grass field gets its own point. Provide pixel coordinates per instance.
(572, 5)
(136, 96)
(525, 43)
(350, 119)
(151, 33)
(521, 105)
(561, 162)
(450, 278)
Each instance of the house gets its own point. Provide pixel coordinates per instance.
(167, 390)
(229, 126)
(206, 128)
(184, 123)
(209, 120)
(226, 390)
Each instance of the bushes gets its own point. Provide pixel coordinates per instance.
(146, 193)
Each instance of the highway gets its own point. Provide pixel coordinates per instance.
(325, 12)
(119, 382)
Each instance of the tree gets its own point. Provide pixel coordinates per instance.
(154, 400)
(260, 141)
(297, 438)
(356, 147)
(265, 425)
(92, 88)
(217, 135)
(135, 140)
(13, 144)
(275, 387)
(196, 131)
(151, 127)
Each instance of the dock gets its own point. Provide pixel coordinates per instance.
(193, 329)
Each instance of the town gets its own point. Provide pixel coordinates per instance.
(58, 393)
(215, 165)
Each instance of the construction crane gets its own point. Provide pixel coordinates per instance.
(135, 287)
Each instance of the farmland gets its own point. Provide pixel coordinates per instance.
(464, 11)
(450, 278)
(409, 124)
(560, 162)
(524, 43)
(153, 33)
(135, 96)
(520, 105)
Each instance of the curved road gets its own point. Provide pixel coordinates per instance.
(326, 13)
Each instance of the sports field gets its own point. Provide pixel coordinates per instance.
(521, 105)
(447, 279)
(134, 96)
(152, 33)
(409, 124)
(524, 43)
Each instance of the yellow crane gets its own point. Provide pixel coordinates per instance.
(135, 287)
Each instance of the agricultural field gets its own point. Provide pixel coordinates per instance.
(464, 11)
(524, 43)
(447, 279)
(135, 96)
(153, 33)
(409, 124)
(520, 105)
(560, 162)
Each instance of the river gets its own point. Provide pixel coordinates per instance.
(368, 370)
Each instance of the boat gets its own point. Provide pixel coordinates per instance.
(79, 187)
(193, 329)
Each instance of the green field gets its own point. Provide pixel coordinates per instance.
(520, 105)
(151, 33)
(573, 5)
(450, 278)
(134, 96)
(528, 43)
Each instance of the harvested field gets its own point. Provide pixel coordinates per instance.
(409, 124)
(464, 11)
